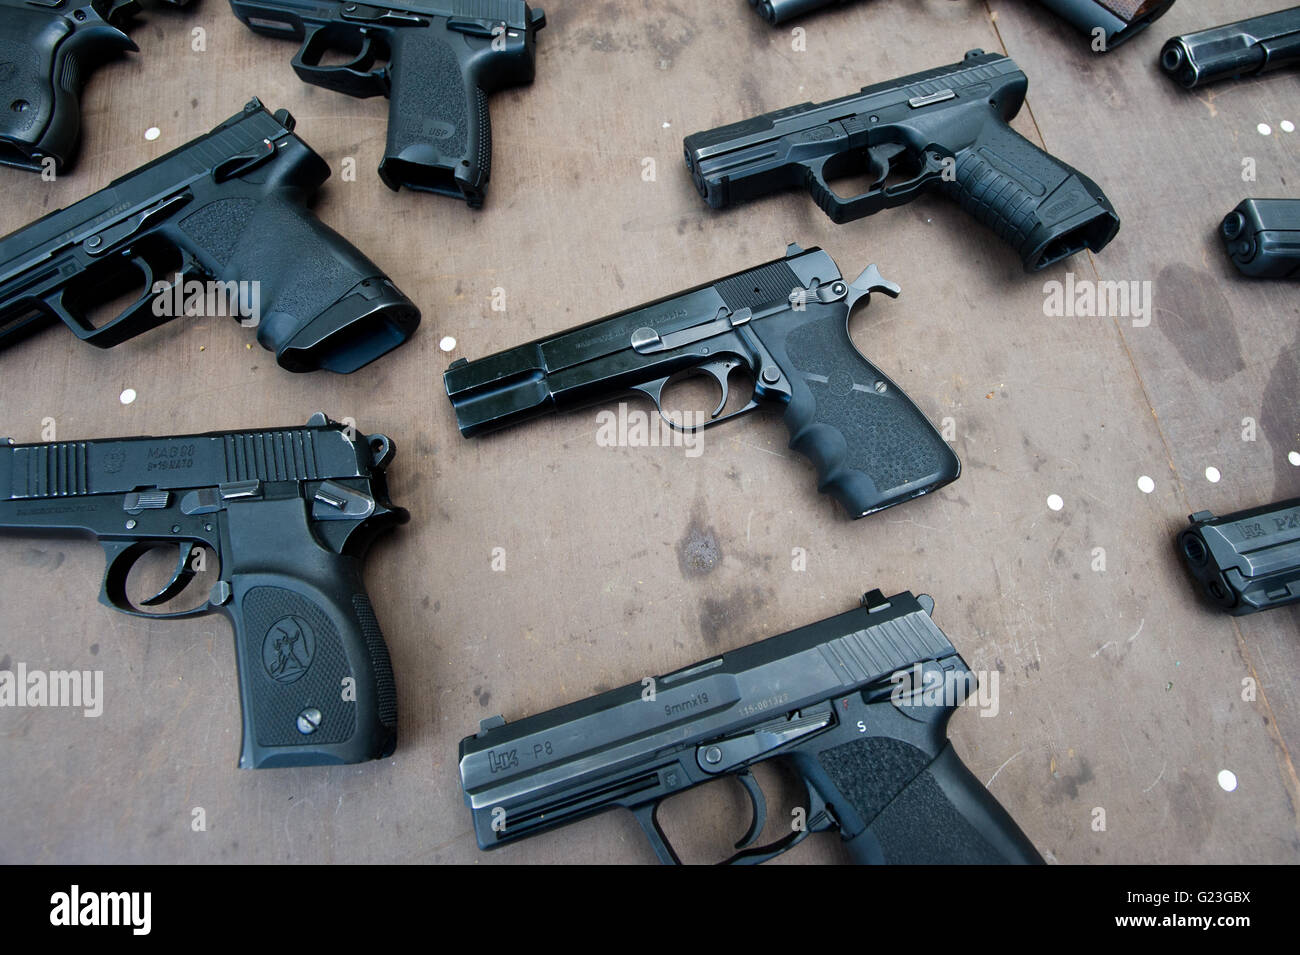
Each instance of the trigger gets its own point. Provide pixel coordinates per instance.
(720, 371)
(880, 159)
(181, 578)
(759, 803)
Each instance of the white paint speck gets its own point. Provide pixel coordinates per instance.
(447, 343)
(1227, 780)
(1054, 502)
(152, 133)
(1287, 126)
(668, 125)
(127, 396)
(1265, 129)
(1294, 458)
(1212, 474)
(1146, 485)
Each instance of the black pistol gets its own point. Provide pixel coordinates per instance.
(857, 705)
(435, 60)
(288, 514)
(1246, 561)
(1262, 237)
(228, 208)
(48, 49)
(1245, 48)
(786, 324)
(1113, 20)
(943, 129)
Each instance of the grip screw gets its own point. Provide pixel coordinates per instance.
(880, 387)
(308, 721)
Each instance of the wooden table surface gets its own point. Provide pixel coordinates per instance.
(1120, 690)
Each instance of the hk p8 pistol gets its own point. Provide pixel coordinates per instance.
(942, 129)
(1246, 561)
(289, 514)
(229, 208)
(786, 324)
(856, 705)
(48, 49)
(436, 61)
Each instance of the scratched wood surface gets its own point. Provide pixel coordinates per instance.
(1119, 690)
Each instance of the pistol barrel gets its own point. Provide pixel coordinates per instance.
(1245, 48)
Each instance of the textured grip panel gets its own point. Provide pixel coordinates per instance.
(24, 78)
(871, 445)
(439, 133)
(1041, 207)
(485, 133)
(994, 199)
(870, 772)
(302, 666)
(385, 685)
(919, 811)
(34, 119)
(921, 827)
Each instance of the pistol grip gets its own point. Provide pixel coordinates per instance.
(871, 445)
(943, 816)
(439, 132)
(315, 681)
(1045, 209)
(321, 303)
(40, 91)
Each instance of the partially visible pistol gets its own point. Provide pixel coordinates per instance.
(1114, 20)
(288, 514)
(1245, 48)
(48, 49)
(1109, 22)
(1246, 561)
(436, 61)
(785, 323)
(856, 705)
(230, 209)
(1263, 237)
(943, 129)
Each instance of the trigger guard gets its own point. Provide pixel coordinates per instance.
(819, 818)
(354, 78)
(122, 556)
